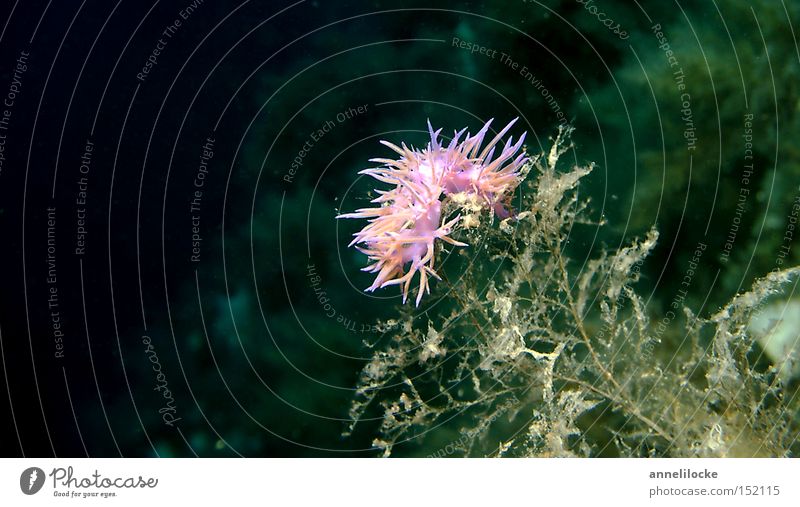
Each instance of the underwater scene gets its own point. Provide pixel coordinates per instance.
(400, 228)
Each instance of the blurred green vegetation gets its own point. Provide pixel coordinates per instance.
(274, 372)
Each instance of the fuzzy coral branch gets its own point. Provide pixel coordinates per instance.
(408, 220)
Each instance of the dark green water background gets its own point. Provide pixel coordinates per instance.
(257, 360)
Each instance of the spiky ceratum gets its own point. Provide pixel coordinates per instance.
(405, 225)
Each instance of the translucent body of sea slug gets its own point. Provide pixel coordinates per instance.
(408, 220)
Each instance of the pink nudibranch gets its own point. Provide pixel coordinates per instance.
(406, 223)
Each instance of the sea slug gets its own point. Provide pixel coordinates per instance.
(407, 221)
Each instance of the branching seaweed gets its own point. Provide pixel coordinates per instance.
(537, 357)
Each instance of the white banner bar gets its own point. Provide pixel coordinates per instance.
(351, 482)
